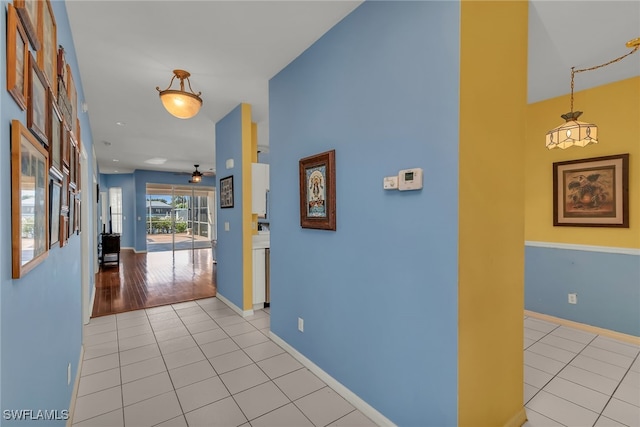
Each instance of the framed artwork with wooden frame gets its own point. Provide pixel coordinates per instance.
(17, 58)
(318, 191)
(29, 201)
(55, 200)
(77, 216)
(56, 136)
(37, 102)
(226, 192)
(592, 192)
(72, 212)
(48, 54)
(73, 99)
(64, 227)
(73, 163)
(66, 147)
(29, 12)
(64, 211)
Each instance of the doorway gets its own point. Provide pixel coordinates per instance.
(180, 217)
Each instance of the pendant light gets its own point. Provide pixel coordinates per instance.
(180, 103)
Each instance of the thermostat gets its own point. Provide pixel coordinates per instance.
(410, 179)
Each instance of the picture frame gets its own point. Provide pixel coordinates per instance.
(318, 191)
(29, 201)
(17, 58)
(56, 136)
(73, 99)
(66, 147)
(29, 12)
(72, 212)
(37, 102)
(592, 192)
(226, 192)
(73, 162)
(77, 217)
(48, 54)
(55, 199)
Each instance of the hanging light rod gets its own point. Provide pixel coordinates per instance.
(180, 103)
(574, 132)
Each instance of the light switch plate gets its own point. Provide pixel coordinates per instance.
(226, 226)
(229, 163)
(390, 183)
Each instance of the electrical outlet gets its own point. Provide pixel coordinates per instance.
(573, 298)
(300, 324)
(69, 374)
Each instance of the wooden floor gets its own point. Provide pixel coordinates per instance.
(152, 279)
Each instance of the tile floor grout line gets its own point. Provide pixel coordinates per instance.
(614, 391)
(555, 375)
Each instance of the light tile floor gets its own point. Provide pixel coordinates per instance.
(200, 364)
(575, 378)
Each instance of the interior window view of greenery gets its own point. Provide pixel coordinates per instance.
(179, 218)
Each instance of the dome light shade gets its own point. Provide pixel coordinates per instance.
(180, 103)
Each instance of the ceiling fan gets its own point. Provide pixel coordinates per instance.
(196, 175)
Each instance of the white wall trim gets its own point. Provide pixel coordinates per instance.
(343, 391)
(138, 252)
(76, 384)
(588, 248)
(234, 307)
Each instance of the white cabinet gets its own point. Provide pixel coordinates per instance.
(259, 188)
(259, 283)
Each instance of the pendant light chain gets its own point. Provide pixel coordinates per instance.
(574, 71)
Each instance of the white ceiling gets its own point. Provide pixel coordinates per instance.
(233, 48)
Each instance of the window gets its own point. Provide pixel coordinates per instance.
(115, 209)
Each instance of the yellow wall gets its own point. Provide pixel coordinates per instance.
(493, 91)
(615, 108)
(247, 242)
(254, 159)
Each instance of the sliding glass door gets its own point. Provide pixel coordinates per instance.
(180, 217)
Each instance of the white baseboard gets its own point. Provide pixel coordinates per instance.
(631, 339)
(234, 307)
(76, 384)
(343, 391)
(587, 248)
(93, 298)
(139, 252)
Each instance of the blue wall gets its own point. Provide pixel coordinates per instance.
(379, 295)
(229, 253)
(606, 284)
(40, 314)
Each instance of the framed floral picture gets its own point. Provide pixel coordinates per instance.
(592, 192)
(318, 191)
(17, 58)
(29, 201)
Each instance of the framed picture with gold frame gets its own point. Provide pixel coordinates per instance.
(56, 136)
(66, 146)
(29, 201)
(29, 12)
(37, 102)
(17, 58)
(73, 163)
(48, 54)
(72, 212)
(55, 199)
(73, 99)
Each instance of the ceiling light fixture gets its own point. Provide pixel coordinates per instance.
(180, 103)
(196, 176)
(575, 133)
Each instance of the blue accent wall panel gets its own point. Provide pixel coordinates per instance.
(229, 250)
(379, 295)
(41, 313)
(607, 286)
